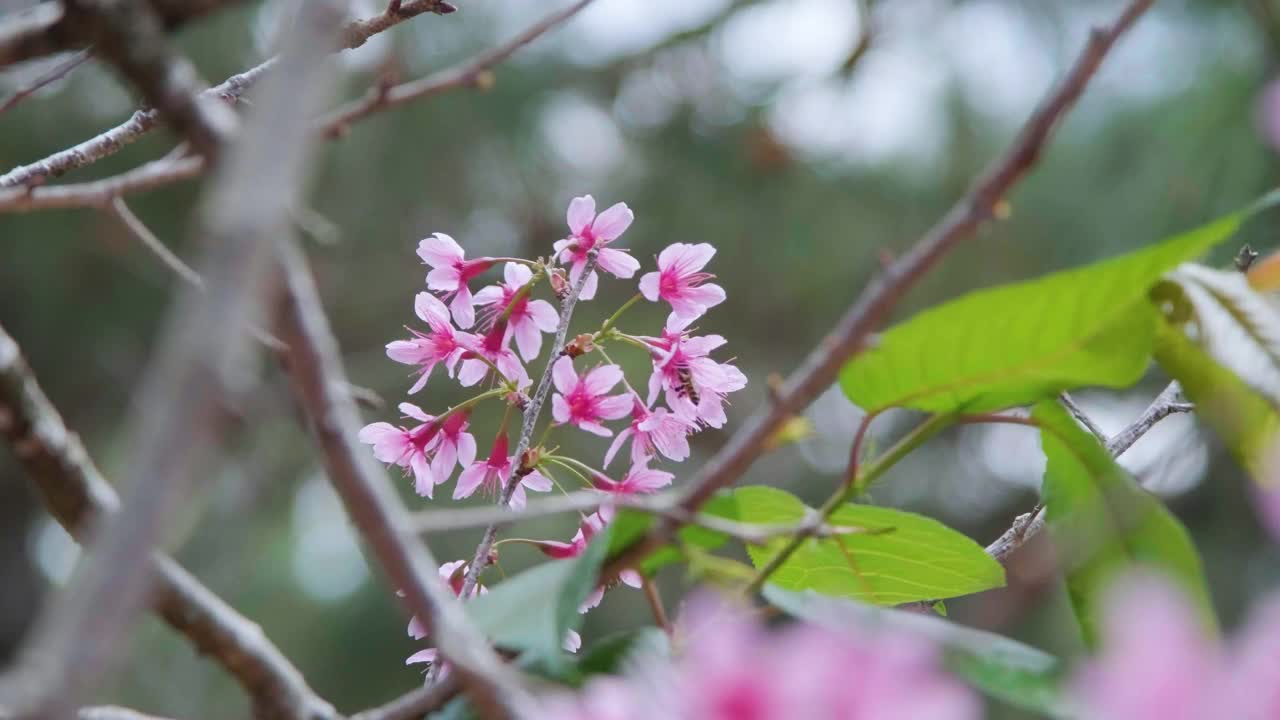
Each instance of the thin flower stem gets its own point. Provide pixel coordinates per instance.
(655, 604)
(605, 355)
(901, 449)
(530, 420)
(470, 402)
(521, 294)
(522, 261)
(855, 452)
(568, 464)
(608, 324)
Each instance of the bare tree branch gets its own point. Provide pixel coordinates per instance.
(355, 34)
(48, 28)
(160, 173)
(130, 35)
(98, 712)
(371, 502)
(54, 74)
(822, 365)
(469, 74)
(121, 212)
(1028, 525)
(415, 703)
(201, 362)
(78, 497)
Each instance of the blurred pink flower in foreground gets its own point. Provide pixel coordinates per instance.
(679, 281)
(1160, 663)
(732, 668)
(588, 231)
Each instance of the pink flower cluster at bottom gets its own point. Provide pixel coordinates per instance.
(732, 668)
(1159, 663)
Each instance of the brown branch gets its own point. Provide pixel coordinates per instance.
(872, 307)
(415, 703)
(118, 210)
(49, 28)
(473, 73)
(54, 74)
(130, 35)
(529, 421)
(200, 363)
(316, 367)
(355, 34)
(160, 173)
(1028, 525)
(98, 712)
(79, 497)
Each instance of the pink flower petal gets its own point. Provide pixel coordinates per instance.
(649, 284)
(470, 479)
(440, 250)
(430, 310)
(612, 222)
(563, 375)
(543, 315)
(582, 210)
(602, 379)
(617, 263)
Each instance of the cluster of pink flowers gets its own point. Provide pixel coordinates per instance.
(475, 349)
(729, 667)
(1160, 663)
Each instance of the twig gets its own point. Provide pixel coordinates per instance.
(79, 497)
(55, 74)
(1081, 417)
(822, 365)
(529, 421)
(1028, 525)
(159, 173)
(121, 212)
(98, 712)
(48, 28)
(130, 35)
(316, 367)
(472, 73)
(654, 598)
(415, 703)
(201, 361)
(355, 34)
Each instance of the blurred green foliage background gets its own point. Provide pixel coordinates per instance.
(735, 123)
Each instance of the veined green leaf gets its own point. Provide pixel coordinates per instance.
(1006, 669)
(1015, 344)
(1103, 522)
(915, 558)
(534, 610)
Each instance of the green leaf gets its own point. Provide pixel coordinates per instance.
(917, 558)
(629, 525)
(534, 610)
(1006, 669)
(1245, 420)
(613, 653)
(1014, 344)
(1103, 523)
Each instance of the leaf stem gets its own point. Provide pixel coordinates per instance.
(609, 323)
(914, 439)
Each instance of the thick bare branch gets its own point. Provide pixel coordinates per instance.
(355, 34)
(78, 497)
(316, 367)
(200, 364)
(129, 34)
(869, 311)
(48, 28)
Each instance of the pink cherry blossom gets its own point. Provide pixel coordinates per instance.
(452, 573)
(1158, 661)
(591, 525)
(695, 384)
(639, 480)
(582, 400)
(653, 432)
(491, 473)
(456, 447)
(680, 281)
(451, 272)
(442, 346)
(589, 231)
(528, 318)
(735, 669)
(492, 347)
(409, 448)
